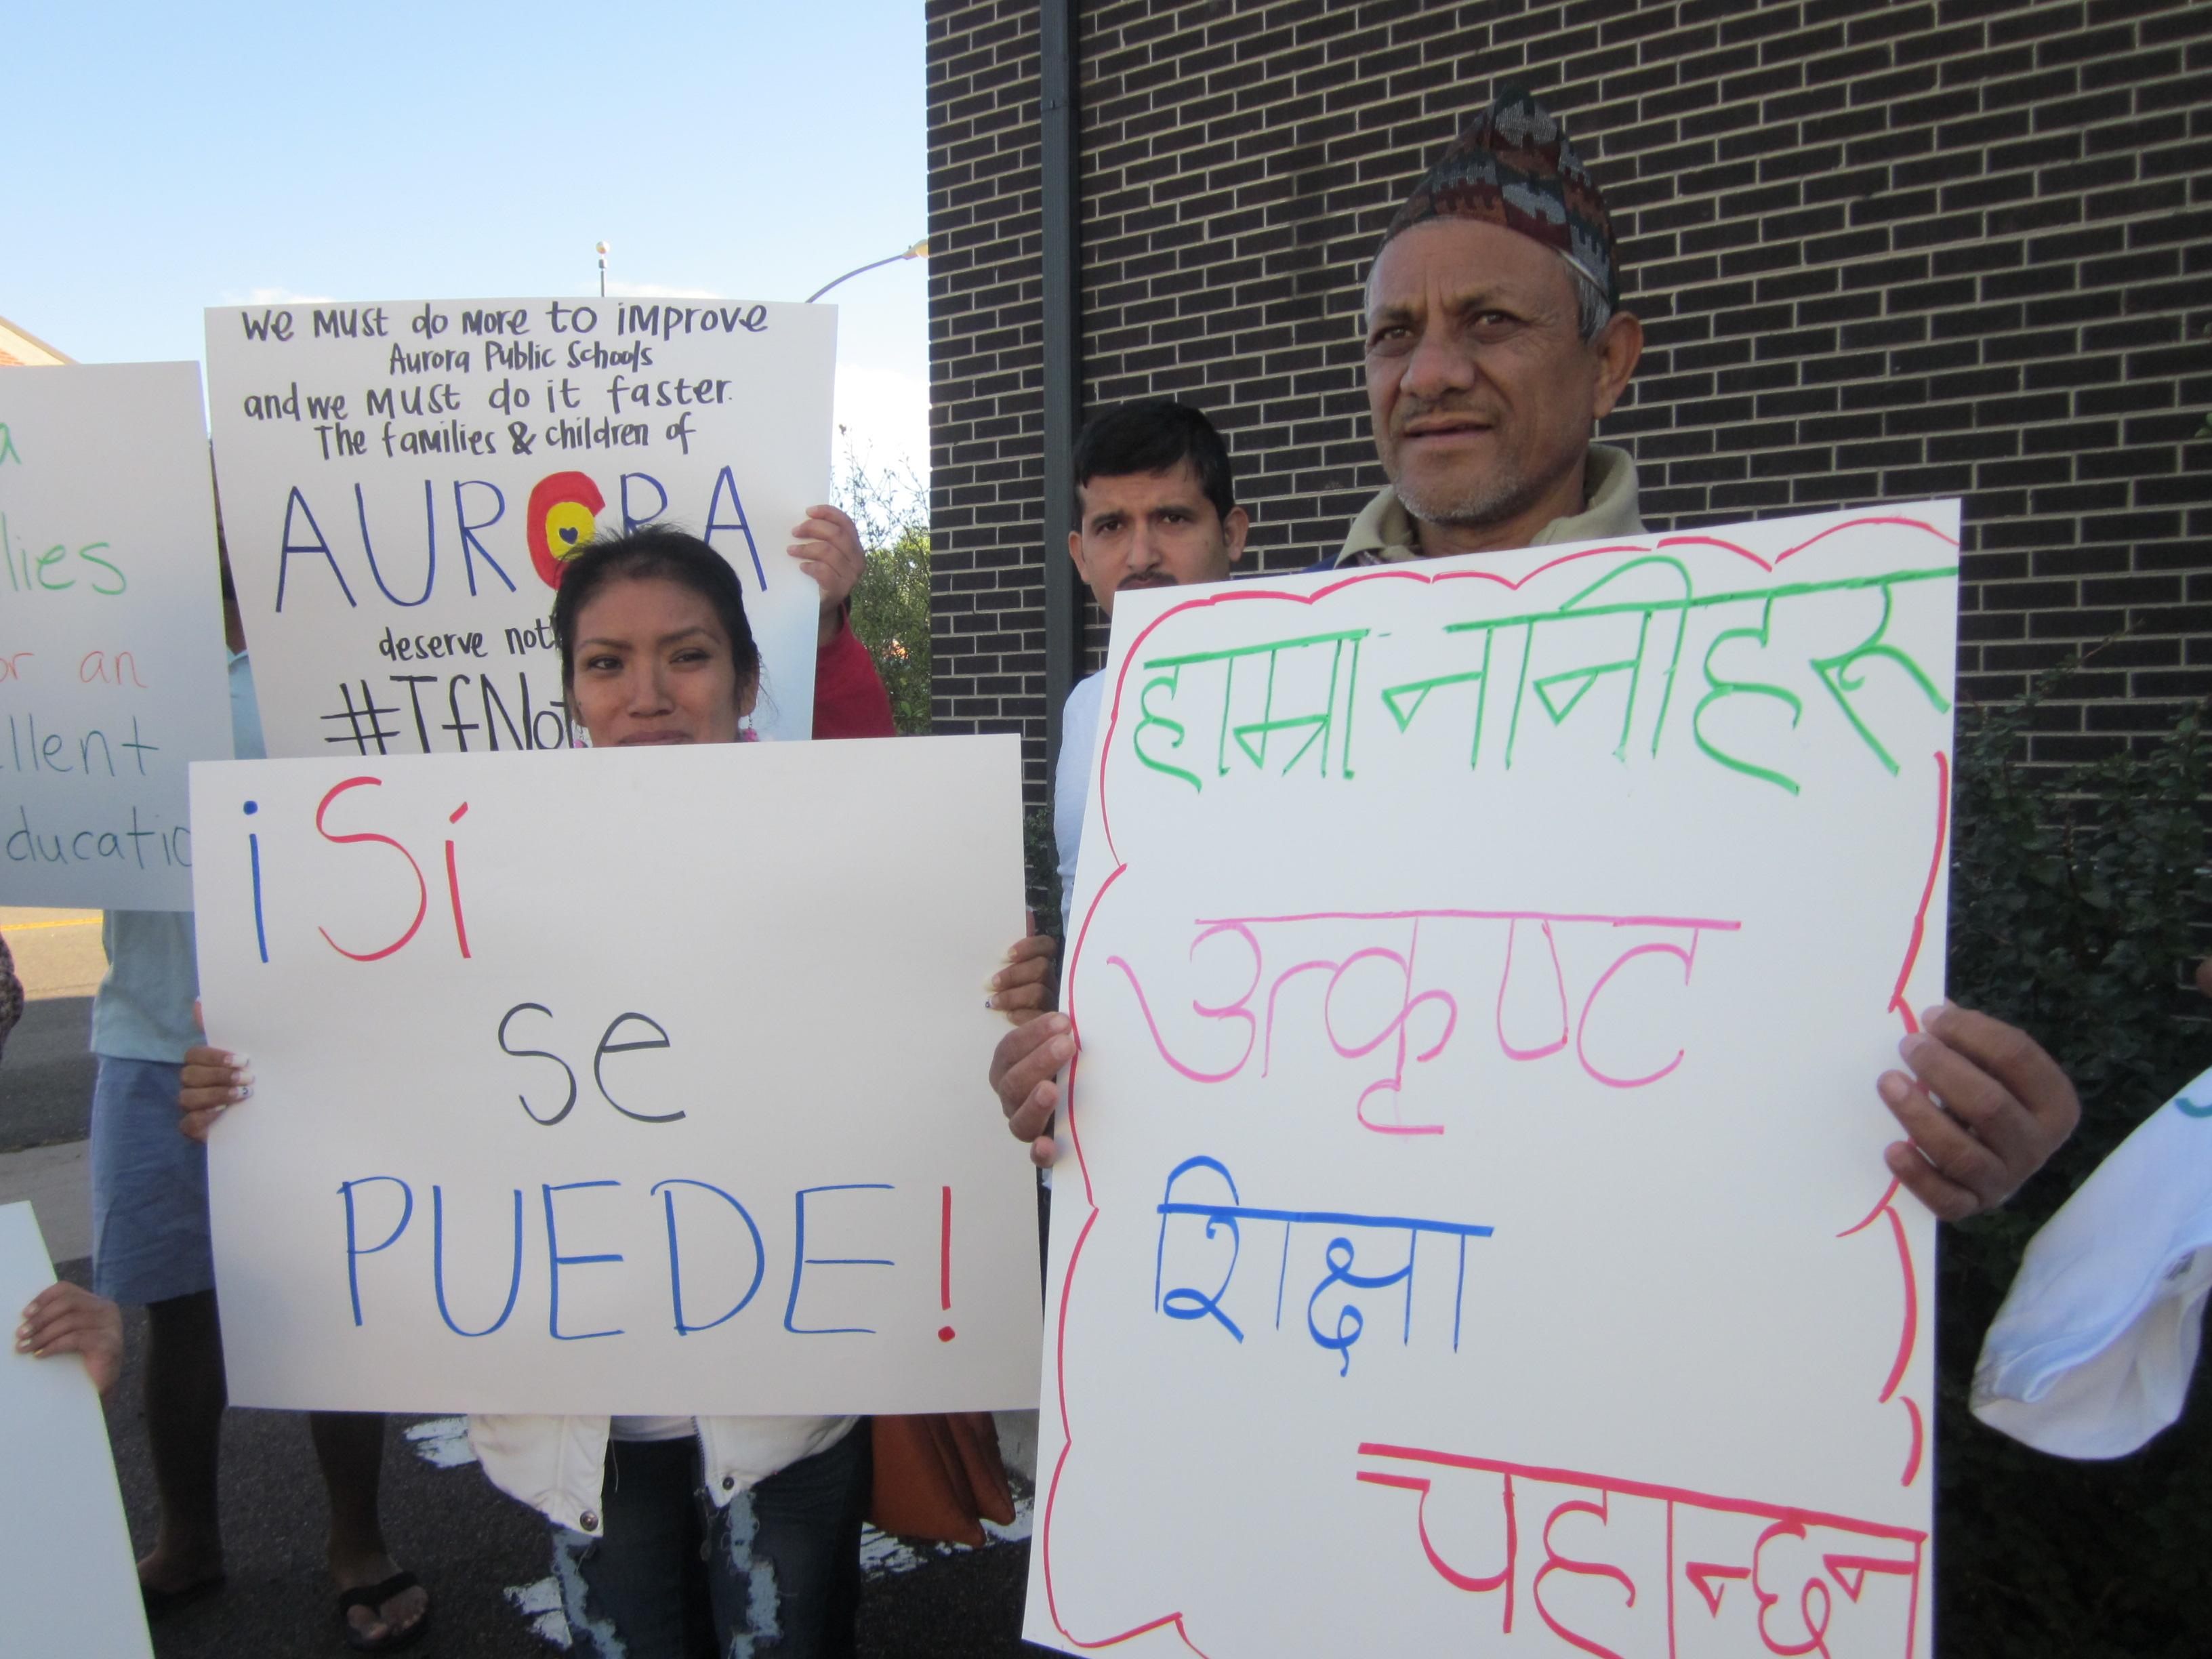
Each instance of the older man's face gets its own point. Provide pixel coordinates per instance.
(1482, 389)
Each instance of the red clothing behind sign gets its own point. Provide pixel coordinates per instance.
(850, 699)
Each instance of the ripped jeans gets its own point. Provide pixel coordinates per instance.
(776, 1571)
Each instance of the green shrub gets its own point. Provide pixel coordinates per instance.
(891, 603)
(1041, 871)
(2074, 899)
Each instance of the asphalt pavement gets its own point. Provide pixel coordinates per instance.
(483, 1557)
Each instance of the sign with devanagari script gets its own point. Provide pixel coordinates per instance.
(1471, 1231)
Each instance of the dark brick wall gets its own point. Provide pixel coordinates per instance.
(1881, 251)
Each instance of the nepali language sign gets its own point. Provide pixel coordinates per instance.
(402, 482)
(1471, 1230)
(630, 1081)
(112, 677)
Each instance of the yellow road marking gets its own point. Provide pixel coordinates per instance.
(27, 926)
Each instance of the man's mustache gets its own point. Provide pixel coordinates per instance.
(1411, 411)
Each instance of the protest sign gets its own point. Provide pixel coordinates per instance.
(111, 633)
(1470, 1230)
(69, 1586)
(401, 482)
(640, 1081)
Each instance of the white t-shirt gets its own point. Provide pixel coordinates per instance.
(1071, 782)
(651, 1428)
(2092, 1353)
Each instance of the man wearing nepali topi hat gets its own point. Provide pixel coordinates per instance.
(1494, 343)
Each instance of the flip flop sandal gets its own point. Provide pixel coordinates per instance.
(374, 1597)
(160, 1603)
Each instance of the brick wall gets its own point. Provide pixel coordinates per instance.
(1881, 251)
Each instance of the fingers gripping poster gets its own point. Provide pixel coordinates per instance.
(640, 1081)
(112, 656)
(401, 483)
(1471, 1232)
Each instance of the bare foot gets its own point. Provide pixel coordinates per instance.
(393, 1618)
(171, 1569)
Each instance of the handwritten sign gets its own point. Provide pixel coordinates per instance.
(1470, 1230)
(111, 633)
(401, 481)
(68, 1586)
(632, 1081)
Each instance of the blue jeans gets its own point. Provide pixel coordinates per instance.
(673, 1576)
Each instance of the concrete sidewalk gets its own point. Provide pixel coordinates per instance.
(59, 1188)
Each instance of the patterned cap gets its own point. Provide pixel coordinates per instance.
(1512, 165)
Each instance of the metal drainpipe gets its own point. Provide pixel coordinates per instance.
(1063, 391)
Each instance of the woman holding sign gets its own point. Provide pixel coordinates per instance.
(668, 1530)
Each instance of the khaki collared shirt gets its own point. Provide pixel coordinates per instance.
(1384, 533)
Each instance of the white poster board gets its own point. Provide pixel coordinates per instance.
(1471, 1232)
(112, 676)
(637, 1081)
(69, 1586)
(400, 482)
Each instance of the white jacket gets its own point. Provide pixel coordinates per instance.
(2092, 1353)
(555, 1464)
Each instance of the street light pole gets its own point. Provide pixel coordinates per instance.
(602, 248)
(919, 251)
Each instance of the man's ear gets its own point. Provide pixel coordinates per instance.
(1075, 553)
(1618, 344)
(1234, 529)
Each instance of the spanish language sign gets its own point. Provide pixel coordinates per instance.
(67, 1585)
(401, 482)
(111, 658)
(637, 1081)
(1471, 1232)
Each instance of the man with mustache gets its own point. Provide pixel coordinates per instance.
(1494, 344)
(1155, 508)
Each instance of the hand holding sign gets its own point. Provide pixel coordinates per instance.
(828, 549)
(66, 1318)
(2004, 1107)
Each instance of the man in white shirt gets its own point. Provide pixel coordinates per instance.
(1155, 508)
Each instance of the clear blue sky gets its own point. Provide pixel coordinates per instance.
(163, 158)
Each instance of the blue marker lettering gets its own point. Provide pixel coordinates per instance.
(253, 846)
(559, 1261)
(354, 1252)
(675, 1255)
(438, 1263)
(801, 1262)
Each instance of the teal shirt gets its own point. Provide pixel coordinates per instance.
(144, 1008)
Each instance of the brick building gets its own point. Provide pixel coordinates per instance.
(1882, 251)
